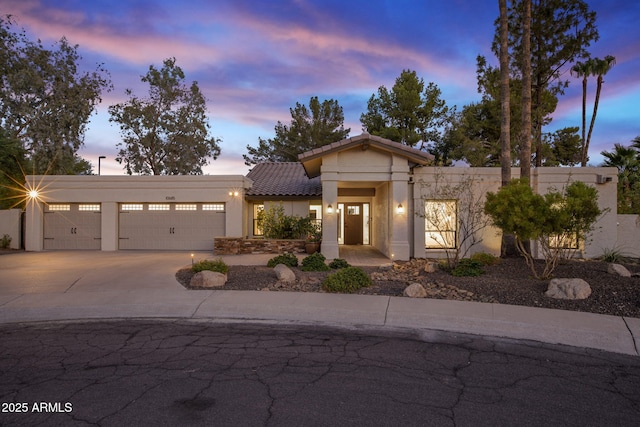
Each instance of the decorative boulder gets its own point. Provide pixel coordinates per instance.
(619, 270)
(415, 290)
(284, 273)
(430, 267)
(568, 289)
(208, 279)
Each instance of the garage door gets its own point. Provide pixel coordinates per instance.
(170, 226)
(72, 226)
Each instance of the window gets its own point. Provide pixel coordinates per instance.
(131, 206)
(441, 223)
(186, 207)
(258, 210)
(353, 210)
(213, 207)
(94, 207)
(564, 242)
(158, 206)
(60, 207)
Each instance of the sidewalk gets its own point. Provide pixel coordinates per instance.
(71, 294)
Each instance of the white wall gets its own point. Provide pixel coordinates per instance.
(543, 180)
(10, 224)
(628, 242)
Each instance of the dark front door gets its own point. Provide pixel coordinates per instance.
(353, 224)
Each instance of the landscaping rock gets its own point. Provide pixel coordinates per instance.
(619, 270)
(284, 273)
(430, 267)
(208, 279)
(568, 289)
(415, 290)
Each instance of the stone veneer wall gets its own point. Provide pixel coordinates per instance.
(239, 245)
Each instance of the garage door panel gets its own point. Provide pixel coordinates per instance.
(175, 229)
(67, 226)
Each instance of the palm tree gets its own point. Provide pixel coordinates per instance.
(627, 161)
(525, 147)
(600, 67)
(583, 69)
(505, 95)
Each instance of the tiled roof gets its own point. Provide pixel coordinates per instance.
(282, 179)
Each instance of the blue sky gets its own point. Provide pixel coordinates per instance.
(255, 59)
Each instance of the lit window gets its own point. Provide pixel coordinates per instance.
(441, 219)
(131, 206)
(353, 210)
(60, 207)
(213, 207)
(187, 207)
(258, 211)
(159, 207)
(564, 242)
(89, 207)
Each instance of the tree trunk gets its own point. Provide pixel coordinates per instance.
(585, 153)
(505, 96)
(584, 115)
(525, 143)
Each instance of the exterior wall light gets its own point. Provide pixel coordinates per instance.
(400, 209)
(330, 209)
(233, 193)
(33, 194)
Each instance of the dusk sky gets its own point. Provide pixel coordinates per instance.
(255, 59)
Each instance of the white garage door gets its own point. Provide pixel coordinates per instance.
(72, 226)
(170, 226)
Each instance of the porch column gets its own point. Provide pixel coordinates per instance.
(399, 212)
(34, 217)
(329, 247)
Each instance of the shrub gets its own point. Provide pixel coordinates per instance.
(212, 265)
(339, 263)
(485, 258)
(347, 280)
(290, 260)
(314, 262)
(612, 255)
(468, 267)
(275, 224)
(5, 242)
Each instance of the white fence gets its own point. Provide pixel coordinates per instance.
(10, 225)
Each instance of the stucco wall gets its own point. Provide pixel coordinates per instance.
(543, 180)
(10, 224)
(628, 242)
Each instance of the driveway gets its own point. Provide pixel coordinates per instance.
(89, 271)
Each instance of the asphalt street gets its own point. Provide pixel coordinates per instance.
(199, 372)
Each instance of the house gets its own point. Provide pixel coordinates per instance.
(365, 190)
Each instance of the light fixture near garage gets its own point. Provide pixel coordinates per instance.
(400, 209)
(329, 209)
(234, 193)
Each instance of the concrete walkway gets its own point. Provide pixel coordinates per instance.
(55, 286)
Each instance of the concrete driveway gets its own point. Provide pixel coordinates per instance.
(88, 271)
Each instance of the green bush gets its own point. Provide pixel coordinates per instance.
(314, 262)
(275, 224)
(485, 258)
(347, 280)
(290, 260)
(212, 265)
(468, 267)
(5, 242)
(338, 263)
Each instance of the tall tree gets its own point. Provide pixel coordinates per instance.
(561, 32)
(505, 96)
(525, 138)
(45, 100)
(599, 67)
(320, 124)
(410, 113)
(583, 70)
(166, 133)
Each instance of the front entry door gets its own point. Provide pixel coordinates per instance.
(353, 224)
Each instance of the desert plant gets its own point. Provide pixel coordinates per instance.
(314, 262)
(5, 242)
(217, 265)
(290, 260)
(612, 255)
(485, 258)
(338, 263)
(347, 280)
(468, 267)
(557, 221)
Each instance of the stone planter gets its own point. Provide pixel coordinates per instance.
(312, 247)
